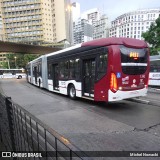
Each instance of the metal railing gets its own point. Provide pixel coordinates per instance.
(21, 132)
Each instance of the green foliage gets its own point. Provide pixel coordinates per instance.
(5, 65)
(18, 60)
(152, 36)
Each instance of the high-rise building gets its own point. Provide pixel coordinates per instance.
(83, 27)
(101, 28)
(75, 11)
(1, 28)
(82, 31)
(92, 15)
(91, 25)
(36, 21)
(133, 24)
(2, 55)
(2, 58)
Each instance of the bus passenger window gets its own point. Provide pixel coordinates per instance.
(77, 69)
(61, 70)
(66, 68)
(102, 66)
(33, 71)
(49, 71)
(71, 69)
(39, 70)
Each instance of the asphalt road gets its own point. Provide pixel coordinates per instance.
(120, 126)
(153, 97)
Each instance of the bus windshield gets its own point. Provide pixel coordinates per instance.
(134, 61)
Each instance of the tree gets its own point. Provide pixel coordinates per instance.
(5, 65)
(18, 60)
(152, 36)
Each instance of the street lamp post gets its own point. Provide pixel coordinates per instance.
(15, 61)
(8, 63)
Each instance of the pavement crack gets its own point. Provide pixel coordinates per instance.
(150, 130)
(147, 129)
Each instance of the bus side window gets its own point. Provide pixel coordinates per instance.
(37, 66)
(49, 70)
(33, 71)
(102, 66)
(61, 70)
(71, 69)
(40, 73)
(66, 69)
(77, 69)
(29, 71)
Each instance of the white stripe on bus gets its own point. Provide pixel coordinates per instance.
(134, 64)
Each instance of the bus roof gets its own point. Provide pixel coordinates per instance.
(128, 42)
(64, 50)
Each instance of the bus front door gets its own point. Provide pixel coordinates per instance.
(89, 77)
(55, 77)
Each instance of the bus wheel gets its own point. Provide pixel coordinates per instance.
(39, 84)
(72, 92)
(19, 77)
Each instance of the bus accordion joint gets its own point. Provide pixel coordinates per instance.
(113, 83)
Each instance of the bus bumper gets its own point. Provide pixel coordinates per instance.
(120, 95)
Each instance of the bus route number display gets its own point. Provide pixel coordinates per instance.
(134, 55)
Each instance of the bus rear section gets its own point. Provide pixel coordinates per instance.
(129, 71)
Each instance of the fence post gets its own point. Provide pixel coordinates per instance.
(0, 130)
(10, 120)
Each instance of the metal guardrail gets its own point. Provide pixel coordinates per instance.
(22, 132)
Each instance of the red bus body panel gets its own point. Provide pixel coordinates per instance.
(114, 66)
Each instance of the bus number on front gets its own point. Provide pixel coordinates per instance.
(134, 55)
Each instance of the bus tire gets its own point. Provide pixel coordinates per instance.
(39, 85)
(72, 91)
(19, 77)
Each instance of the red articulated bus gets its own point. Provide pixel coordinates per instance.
(108, 69)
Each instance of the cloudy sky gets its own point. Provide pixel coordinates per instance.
(114, 8)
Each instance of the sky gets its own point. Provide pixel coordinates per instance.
(115, 8)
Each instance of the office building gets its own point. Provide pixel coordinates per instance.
(101, 28)
(75, 11)
(1, 28)
(36, 22)
(2, 55)
(92, 15)
(2, 59)
(83, 27)
(133, 24)
(82, 31)
(91, 25)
